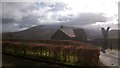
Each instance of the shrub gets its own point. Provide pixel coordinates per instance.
(61, 51)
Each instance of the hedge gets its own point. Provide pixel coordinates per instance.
(73, 52)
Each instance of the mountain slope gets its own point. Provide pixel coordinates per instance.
(37, 32)
(46, 31)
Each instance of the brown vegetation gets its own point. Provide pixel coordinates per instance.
(68, 52)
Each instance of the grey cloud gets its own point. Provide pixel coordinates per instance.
(25, 22)
(54, 6)
(58, 7)
(28, 21)
(87, 18)
(7, 20)
(14, 9)
(65, 19)
(9, 27)
(27, 18)
(14, 18)
(42, 4)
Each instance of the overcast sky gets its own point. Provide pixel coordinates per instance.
(20, 15)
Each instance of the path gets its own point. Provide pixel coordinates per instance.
(110, 58)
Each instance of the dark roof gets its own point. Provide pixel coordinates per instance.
(72, 32)
(79, 32)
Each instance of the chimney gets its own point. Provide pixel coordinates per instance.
(61, 27)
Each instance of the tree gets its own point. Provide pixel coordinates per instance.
(105, 36)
